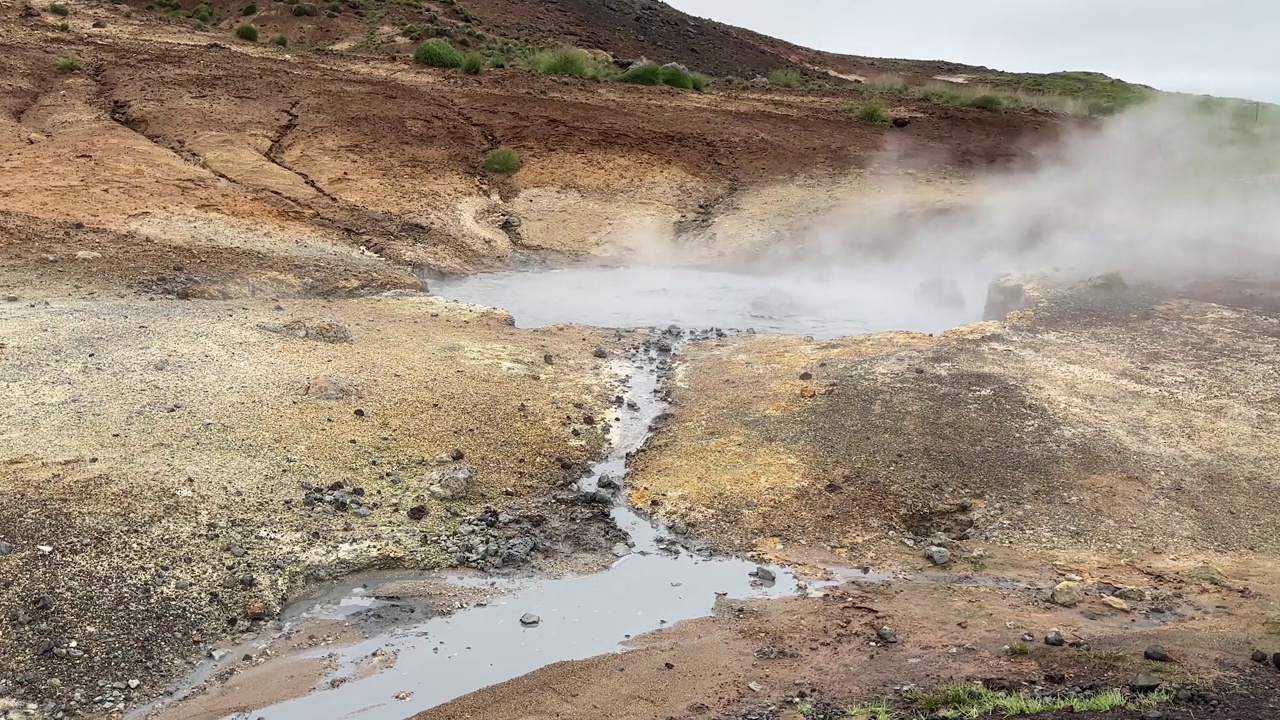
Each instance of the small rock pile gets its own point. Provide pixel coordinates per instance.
(490, 540)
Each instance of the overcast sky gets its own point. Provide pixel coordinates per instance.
(1219, 47)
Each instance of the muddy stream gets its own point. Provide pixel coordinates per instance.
(658, 579)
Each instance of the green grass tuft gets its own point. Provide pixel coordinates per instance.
(503, 161)
(676, 77)
(642, 74)
(872, 112)
(993, 103)
(64, 26)
(247, 31)
(281, 40)
(59, 9)
(334, 7)
(473, 64)
(885, 85)
(437, 53)
(249, 9)
(786, 78)
(568, 61)
(202, 14)
(69, 65)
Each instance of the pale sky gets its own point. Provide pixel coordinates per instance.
(1218, 47)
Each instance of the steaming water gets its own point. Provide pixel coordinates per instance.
(447, 657)
(822, 304)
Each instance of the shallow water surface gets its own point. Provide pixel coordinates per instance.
(826, 304)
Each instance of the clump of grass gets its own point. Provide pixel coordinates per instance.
(786, 78)
(993, 103)
(64, 26)
(503, 160)
(437, 53)
(700, 81)
(871, 111)
(871, 711)
(972, 701)
(885, 85)
(202, 14)
(249, 9)
(69, 65)
(282, 40)
(568, 61)
(411, 31)
(473, 64)
(676, 77)
(334, 7)
(642, 74)
(59, 9)
(248, 32)
(1018, 649)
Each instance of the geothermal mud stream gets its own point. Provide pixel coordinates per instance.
(658, 582)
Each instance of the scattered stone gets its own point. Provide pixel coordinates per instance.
(669, 666)
(808, 392)
(305, 9)
(320, 329)
(1116, 603)
(1067, 593)
(621, 550)
(43, 603)
(45, 548)
(806, 375)
(518, 550)
(1144, 682)
(6, 548)
(1275, 660)
(362, 511)
(417, 512)
(28, 11)
(600, 353)
(1156, 653)
(529, 620)
(88, 255)
(606, 482)
(1152, 715)
(330, 387)
(548, 359)
(1028, 637)
(133, 684)
(1055, 639)
(248, 580)
(1258, 656)
(257, 610)
(237, 551)
(451, 483)
(99, 23)
(887, 635)
(763, 574)
(403, 695)
(755, 686)
(937, 555)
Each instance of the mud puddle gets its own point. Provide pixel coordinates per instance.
(528, 623)
(824, 305)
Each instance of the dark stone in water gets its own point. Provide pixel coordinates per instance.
(530, 620)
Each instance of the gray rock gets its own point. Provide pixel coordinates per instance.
(763, 574)
(99, 23)
(1055, 639)
(1028, 637)
(1258, 656)
(1275, 660)
(529, 620)
(237, 551)
(1067, 594)
(133, 684)
(518, 550)
(1152, 715)
(452, 482)
(600, 353)
(621, 550)
(606, 482)
(6, 548)
(1144, 682)
(362, 511)
(1156, 653)
(937, 555)
(887, 635)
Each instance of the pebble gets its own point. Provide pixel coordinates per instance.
(1028, 637)
(363, 512)
(417, 512)
(237, 551)
(937, 555)
(600, 353)
(763, 574)
(621, 550)
(1116, 603)
(1144, 682)
(133, 684)
(1067, 593)
(1152, 715)
(887, 635)
(755, 686)
(1258, 656)
(1055, 639)
(1156, 653)
(530, 620)
(6, 548)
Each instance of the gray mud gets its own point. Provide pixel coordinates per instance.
(827, 304)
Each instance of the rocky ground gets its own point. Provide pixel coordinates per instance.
(224, 382)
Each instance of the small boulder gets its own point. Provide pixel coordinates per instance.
(529, 620)
(763, 574)
(1067, 594)
(99, 23)
(451, 483)
(887, 635)
(88, 255)
(1055, 639)
(937, 555)
(1144, 682)
(6, 548)
(1258, 656)
(1116, 603)
(417, 512)
(1156, 653)
(1275, 660)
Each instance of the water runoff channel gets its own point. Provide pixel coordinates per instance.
(660, 581)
